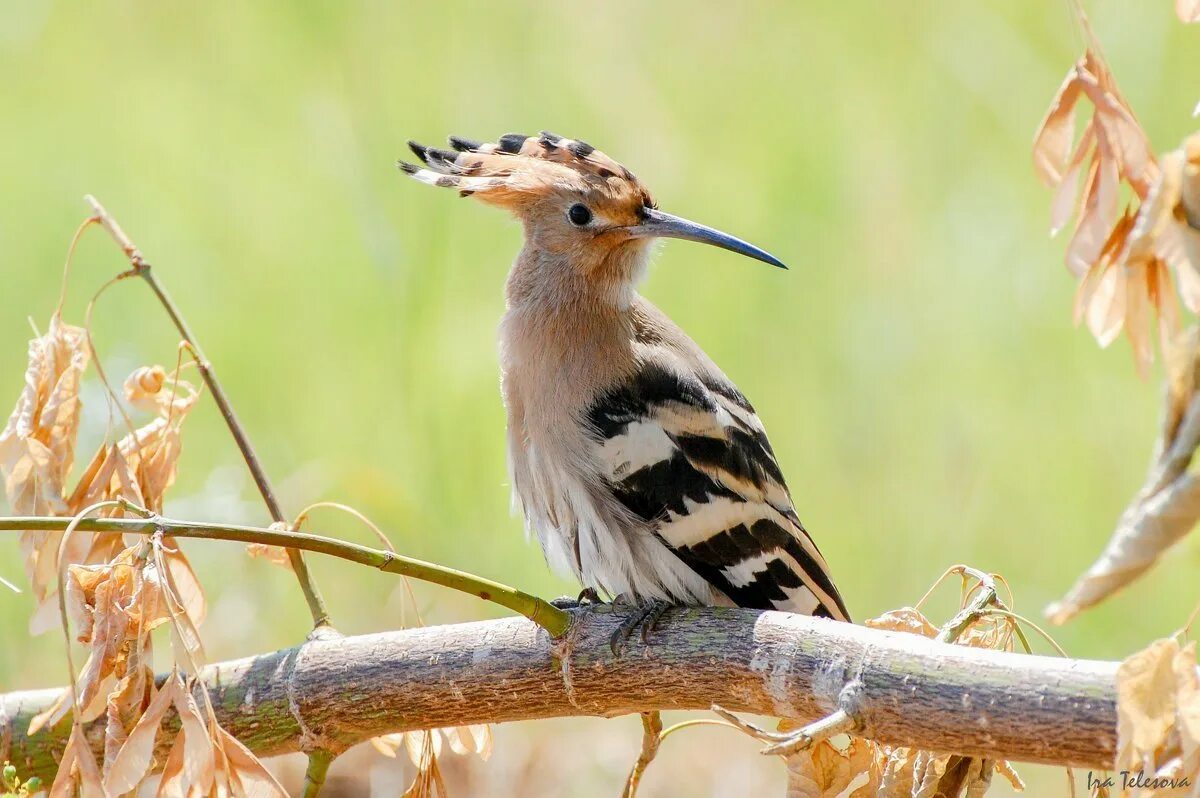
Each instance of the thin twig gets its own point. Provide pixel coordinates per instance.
(652, 727)
(839, 722)
(972, 612)
(141, 268)
(541, 612)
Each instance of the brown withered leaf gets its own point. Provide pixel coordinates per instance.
(240, 774)
(113, 608)
(1158, 715)
(424, 748)
(1168, 504)
(1145, 704)
(139, 469)
(1121, 257)
(204, 759)
(1187, 709)
(428, 782)
(1146, 529)
(153, 450)
(37, 445)
(826, 771)
(132, 762)
(905, 619)
(78, 773)
(1188, 10)
(190, 768)
(273, 554)
(473, 739)
(1113, 146)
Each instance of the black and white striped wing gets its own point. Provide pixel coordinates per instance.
(689, 456)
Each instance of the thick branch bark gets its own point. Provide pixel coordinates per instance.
(905, 689)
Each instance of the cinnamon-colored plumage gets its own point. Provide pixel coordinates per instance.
(637, 463)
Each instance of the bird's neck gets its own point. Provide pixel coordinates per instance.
(567, 333)
(576, 281)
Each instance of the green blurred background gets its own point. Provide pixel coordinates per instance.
(917, 368)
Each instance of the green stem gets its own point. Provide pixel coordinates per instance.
(141, 268)
(970, 613)
(314, 776)
(543, 613)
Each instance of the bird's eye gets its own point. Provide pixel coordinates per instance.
(579, 214)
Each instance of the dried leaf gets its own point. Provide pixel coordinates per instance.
(152, 389)
(388, 744)
(1187, 696)
(37, 445)
(825, 771)
(1120, 258)
(1158, 717)
(474, 739)
(428, 781)
(77, 770)
(1168, 505)
(1145, 704)
(247, 776)
(1188, 10)
(132, 762)
(272, 554)
(47, 413)
(905, 619)
(1143, 532)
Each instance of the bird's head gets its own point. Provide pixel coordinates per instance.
(577, 205)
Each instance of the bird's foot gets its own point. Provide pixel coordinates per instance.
(646, 616)
(586, 597)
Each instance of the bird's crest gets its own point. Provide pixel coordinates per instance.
(518, 169)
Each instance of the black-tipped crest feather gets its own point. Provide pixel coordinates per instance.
(464, 144)
(512, 142)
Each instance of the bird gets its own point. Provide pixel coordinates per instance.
(639, 466)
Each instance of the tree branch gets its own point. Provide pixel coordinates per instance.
(535, 609)
(141, 268)
(331, 694)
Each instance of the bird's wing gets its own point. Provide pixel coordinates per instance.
(686, 453)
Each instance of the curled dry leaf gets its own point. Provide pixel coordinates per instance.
(272, 554)
(473, 739)
(153, 450)
(1112, 149)
(37, 445)
(1168, 504)
(77, 770)
(1158, 716)
(827, 771)
(424, 748)
(113, 608)
(905, 619)
(1124, 258)
(138, 469)
(204, 759)
(1188, 10)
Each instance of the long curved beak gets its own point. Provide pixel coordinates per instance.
(663, 225)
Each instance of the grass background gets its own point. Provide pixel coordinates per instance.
(917, 368)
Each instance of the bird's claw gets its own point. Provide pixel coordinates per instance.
(645, 616)
(586, 596)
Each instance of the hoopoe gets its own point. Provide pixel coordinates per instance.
(638, 464)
